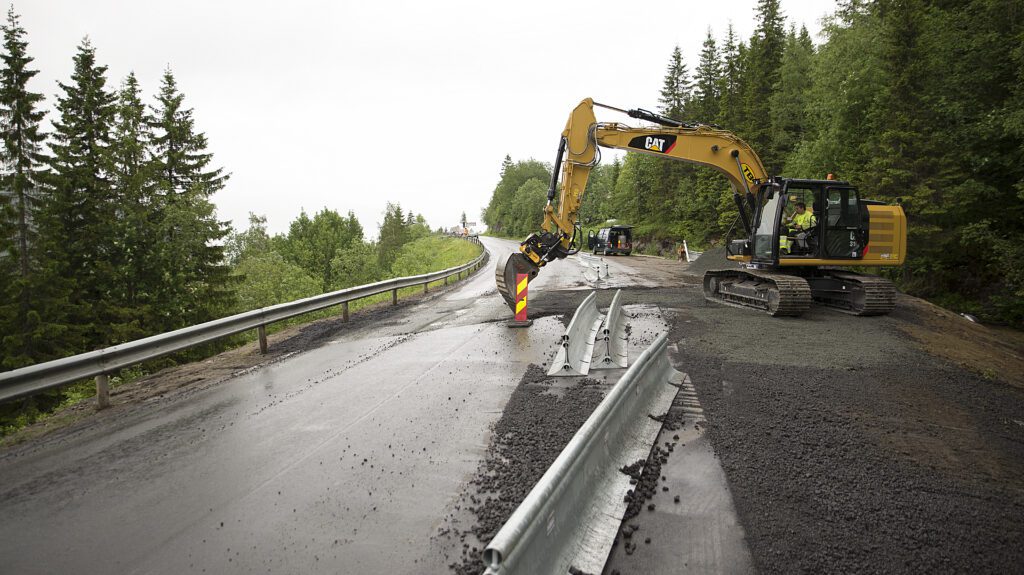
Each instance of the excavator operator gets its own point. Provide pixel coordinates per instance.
(800, 223)
(803, 219)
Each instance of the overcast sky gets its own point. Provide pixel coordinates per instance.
(348, 105)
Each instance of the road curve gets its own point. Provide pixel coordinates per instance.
(342, 457)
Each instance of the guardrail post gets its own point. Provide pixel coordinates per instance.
(102, 391)
(445, 280)
(344, 311)
(425, 284)
(262, 332)
(394, 296)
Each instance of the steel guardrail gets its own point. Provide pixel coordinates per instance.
(571, 516)
(593, 263)
(612, 339)
(577, 344)
(42, 376)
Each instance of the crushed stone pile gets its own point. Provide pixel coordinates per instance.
(712, 259)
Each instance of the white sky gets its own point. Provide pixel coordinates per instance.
(348, 105)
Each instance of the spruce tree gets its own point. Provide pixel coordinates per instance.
(669, 184)
(675, 90)
(196, 285)
(730, 114)
(83, 202)
(136, 261)
(708, 82)
(762, 73)
(27, 332)
(788, 104)
(393, 235)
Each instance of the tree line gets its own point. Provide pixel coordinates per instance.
(914, 101)
(108, 233)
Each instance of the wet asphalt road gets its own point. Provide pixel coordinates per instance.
(824, 443)
(339, 459)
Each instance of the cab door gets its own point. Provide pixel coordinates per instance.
(845, 224)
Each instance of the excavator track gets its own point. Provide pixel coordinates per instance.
(776, 293)
(854, 293)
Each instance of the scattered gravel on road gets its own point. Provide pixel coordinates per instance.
(537, 423)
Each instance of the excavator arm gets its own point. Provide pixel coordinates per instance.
(579, 151)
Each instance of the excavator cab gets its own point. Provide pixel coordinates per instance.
(800, 220)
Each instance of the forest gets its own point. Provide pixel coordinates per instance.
(108, 233)
(913, 101)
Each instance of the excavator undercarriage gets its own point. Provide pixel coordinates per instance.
(782, 294)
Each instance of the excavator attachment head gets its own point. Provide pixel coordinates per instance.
(505, 276)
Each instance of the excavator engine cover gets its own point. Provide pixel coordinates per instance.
(505, 276)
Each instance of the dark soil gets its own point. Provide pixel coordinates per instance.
(535, 426)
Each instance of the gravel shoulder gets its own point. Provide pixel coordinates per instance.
(884, 444)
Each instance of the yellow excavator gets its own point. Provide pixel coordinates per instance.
(781, 268)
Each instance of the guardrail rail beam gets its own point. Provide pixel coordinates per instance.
(571, 516)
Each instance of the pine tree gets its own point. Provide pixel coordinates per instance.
(675, 91)
(196, 285)
(708, 82)
(83, 201)
(28, 335)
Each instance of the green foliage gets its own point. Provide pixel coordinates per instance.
(267, 279)
(82, 201)
(708, 83)
(22, 287)
(788, 104)
(432, 254)
(761, 76)
(356, 265)
(526, 213)
(498, 214)
(312, 243)
(394, 234)
(253, 241)
(195, 285)
(675, 89)
(916, 101)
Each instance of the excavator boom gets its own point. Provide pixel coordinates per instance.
(579, 151)
(851, 232)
